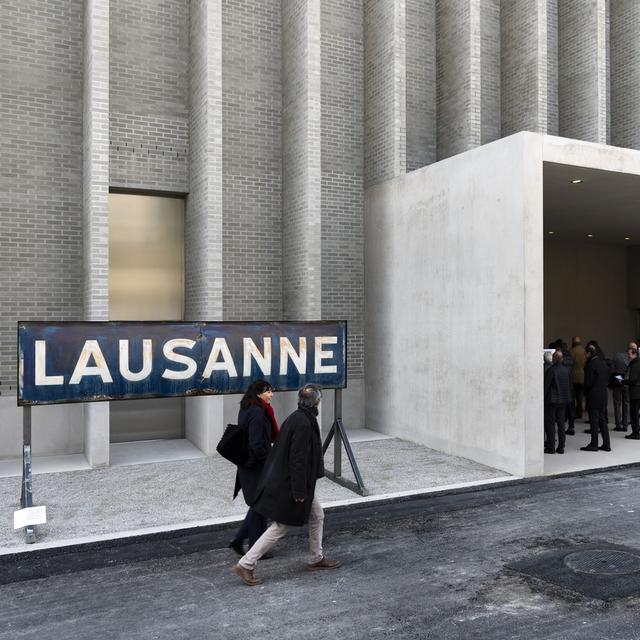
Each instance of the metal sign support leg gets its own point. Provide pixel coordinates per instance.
(26, 497)
(338, 432)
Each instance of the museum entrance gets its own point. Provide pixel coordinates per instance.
(146, 282)
(591, 280)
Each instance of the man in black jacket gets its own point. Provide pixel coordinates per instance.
(633, 383)
(596, 382)
(286, 491)
(557, 395)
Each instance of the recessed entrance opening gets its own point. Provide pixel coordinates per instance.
(591, 279)
(146, 282)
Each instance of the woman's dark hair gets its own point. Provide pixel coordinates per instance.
(251, 394)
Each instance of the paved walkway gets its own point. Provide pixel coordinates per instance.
(425, 569)
(86, 504)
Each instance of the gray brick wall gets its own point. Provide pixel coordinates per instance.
(625, 73)
(95, 152)
(301, 164)
(203, 224)
(342, 151)
(583, 64)
(41, 168)
(149, 61)
(468, 74)
(421, 82)
(252, 159)
(454, 77)
(385, 89)
(529, 66)
(552, 66)
(490, 98)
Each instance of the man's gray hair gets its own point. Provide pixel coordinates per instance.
(309, 396)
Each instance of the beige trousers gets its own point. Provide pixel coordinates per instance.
(276, 531)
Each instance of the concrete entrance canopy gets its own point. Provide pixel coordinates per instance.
(454, 290)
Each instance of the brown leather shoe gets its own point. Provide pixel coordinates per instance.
(323, 563)
(246, 575)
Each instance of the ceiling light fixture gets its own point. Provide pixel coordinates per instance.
(576, 181)
(627, 238)
(550, 232)
(589, 235)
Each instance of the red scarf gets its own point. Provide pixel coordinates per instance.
(272, 418)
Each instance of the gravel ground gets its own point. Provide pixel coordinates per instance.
(104, 501)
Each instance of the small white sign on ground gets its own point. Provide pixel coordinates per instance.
(29, 516)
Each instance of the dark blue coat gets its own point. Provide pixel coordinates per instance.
(258, 425)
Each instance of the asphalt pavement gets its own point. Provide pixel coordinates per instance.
(438, 567)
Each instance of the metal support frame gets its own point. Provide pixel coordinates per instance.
(26, 496)
(339, 436)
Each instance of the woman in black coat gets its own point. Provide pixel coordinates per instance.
(257, 416)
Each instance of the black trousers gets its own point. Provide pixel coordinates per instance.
(252, 527)
(634, 407)
(554, 415)
(577, 392)
(621, 405)
(598, 421)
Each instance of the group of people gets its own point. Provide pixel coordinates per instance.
(579, 374)
(278, 478)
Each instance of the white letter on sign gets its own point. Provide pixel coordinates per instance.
(287, 351)
(41, 366)
(220, 347)
(168, 348)
(146, 361)
(323, 355)
(91, 349)
(251, 350)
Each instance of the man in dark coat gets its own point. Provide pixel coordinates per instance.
(286, 491)
(620, 391)
(596, 382)
(557, 395)
(633, 383)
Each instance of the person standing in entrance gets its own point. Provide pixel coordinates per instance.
(620, 391)
(286, 492)
(596, 382)
(257, 416)
(557, 394)
(633, 383)
(579, 360)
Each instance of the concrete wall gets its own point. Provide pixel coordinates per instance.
(585, 294)
(453, 329)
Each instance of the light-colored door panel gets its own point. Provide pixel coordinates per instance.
(146, 282)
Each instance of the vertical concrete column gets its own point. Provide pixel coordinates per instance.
(529, 56)
(421, 82)
(468, 74)
(583, 91)
(203, 228)
(96, 203)
(625, 73)
(301, 160)
(385, 124)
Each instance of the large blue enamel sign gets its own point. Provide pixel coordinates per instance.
(92, 361)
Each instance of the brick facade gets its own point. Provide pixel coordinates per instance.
(271, 116)
(149, 95)
(41, 201)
